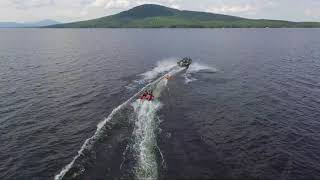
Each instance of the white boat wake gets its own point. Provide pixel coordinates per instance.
(197, 67)
(162, 67)
(144, 127)
(144, 134)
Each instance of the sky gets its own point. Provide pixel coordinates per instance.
(75, 10)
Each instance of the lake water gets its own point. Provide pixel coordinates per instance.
(247, 108)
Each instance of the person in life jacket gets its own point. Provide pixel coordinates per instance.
(147, 95)
(143, 96)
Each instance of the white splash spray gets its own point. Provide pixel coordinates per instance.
(145, 145)
(188, 78)
(197, 67)
(162, 66)
(145, 138)
(87, 145)
(147, 121)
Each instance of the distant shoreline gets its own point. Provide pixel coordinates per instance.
(158, 28)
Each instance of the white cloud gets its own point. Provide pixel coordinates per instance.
(312, 12)
(117, 4)
(99, 3)
(32, 3)
(232, 9)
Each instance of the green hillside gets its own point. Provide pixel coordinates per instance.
(156, 16)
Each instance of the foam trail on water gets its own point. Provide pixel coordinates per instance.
(197, 67)
(188, 78)
(89, 142)
(145, 139)
(87, 145)
(162, 66)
